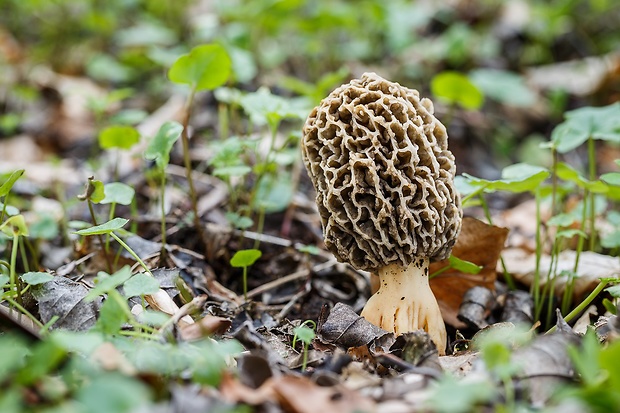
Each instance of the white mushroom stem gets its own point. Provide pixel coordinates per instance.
(405, 302)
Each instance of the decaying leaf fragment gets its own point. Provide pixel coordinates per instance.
(480, 244)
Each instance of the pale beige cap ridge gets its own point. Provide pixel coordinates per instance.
(384, 177)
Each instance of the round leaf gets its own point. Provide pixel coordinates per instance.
(118, 193)
(122, 137)
(206, 67)
(245, 258)
(456, 88)
(140, 284)
(35, 278)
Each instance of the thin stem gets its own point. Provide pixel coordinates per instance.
(22, 250)
(487, 213)
(592, 165)
(24, 311)
(130, 251)
(188, 167)
(12, 273)
(105, 252)
(245, 283)
(586, 302)
(163, 213)
(536, 284)
(260, 226)
(110, 217)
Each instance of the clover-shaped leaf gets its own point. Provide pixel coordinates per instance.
(205, 67)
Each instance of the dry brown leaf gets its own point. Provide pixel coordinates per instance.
(161, 301)
(479, 243)
(592, 266)
(301, 395)
(205, 327)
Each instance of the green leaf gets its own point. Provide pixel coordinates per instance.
(113, 392)
(614, 291)
(112, 316)
(611, 240)
(228, 171)
(98, 193)
(304, 333)
(562, 220)
(458, 396)
(585, 358)
(4, 280)
(456, 88)
(160, 146)
(274, 193)
(15, 225)
(239, 221)
(589, 122)
(118, 193)
(265, 107)
(140, 284)
(105, 228)
(105, 283)
(205, 67)
(570, 233)
(568, 173)
(609, 306)
(464, 266)
(245, 258)
(503, 86)
(309, 249)
(611, 178)
(516, 178)
(609, 360)
(84, 342)
(8, 184)
(36, 278)
(118, 136)
(45, 357)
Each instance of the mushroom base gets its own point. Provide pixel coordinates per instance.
(405, 302)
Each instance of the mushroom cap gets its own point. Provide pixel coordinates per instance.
(379, 162)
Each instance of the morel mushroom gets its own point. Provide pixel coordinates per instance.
(379, 161)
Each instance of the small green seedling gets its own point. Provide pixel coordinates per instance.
(205, 67)
(305, 334)
(159, 150)
(243, 259)
(109, 228)
(93, 194)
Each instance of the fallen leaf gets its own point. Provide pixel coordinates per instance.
(301, 395)
(592, 266)
(479, 243)
(206, 326)
(65, 298)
